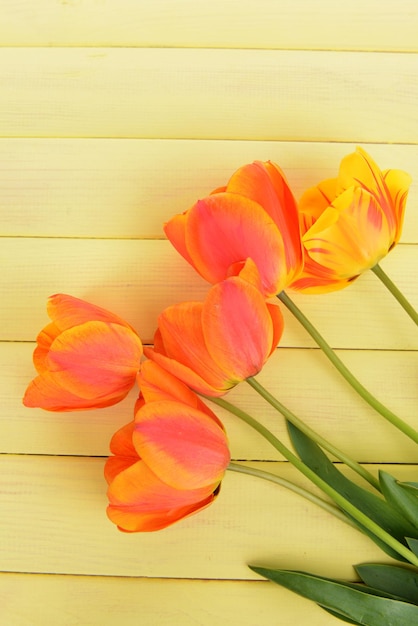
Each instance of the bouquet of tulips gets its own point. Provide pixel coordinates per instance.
(252, 242)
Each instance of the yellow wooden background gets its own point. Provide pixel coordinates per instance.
(114, 115)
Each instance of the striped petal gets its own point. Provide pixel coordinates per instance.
(359, 169)
(314, 202)
(350, 236)
(398, 183)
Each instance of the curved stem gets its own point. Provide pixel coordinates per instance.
(321, 441)
(330, 508)
(342, 502)
(345, 372)
(405, 304)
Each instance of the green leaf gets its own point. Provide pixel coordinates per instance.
(370, 504)
(351, 601)
(411, 487)
(413, 544)
(339, 616)
(394, 493)
(399, 581)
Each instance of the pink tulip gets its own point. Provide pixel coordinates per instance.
(213, 345)
(86, 358)
(254, 216)
(168, 463)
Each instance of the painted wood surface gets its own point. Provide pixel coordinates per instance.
(115, 115)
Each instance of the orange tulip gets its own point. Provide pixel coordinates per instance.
(86, 358)
(254, 216)
(350, 222)
(168, 463)
(213, 345)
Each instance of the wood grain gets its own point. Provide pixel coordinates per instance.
(62, 501)
(358, 25)
(128, 188)
(45, 599)
(302, 379)
(137, 279)
(209, 94)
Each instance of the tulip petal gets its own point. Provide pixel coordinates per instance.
(180, 327)
(226, 228)
(95, 359)
(187, 375)
(44, 392)
(175, 230)
(238, 328)
(247, 270)
(121, 442)
(265, 184)
(315, 279)
(278, 324)
(122, 447)
(184, 447)
(359, 169)
(139, 501)
(44, 341)
(157, 383)
(67, 311)
(398, 183)
(314, 202)
(350, 236)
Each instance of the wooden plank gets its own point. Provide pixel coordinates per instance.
(209, 94)
(53, 521)
(266, 24)
(139, 278)
(301, 379)
(129, 188)
(38, 599)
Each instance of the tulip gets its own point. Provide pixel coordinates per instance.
(213, 345)
(169, 462)
(86, 358)
(254, 216)
(350, 222)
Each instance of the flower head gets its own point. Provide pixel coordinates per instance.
(168, 463)
(350, 222)
(86, 358)
(213, 345)
(254, 216)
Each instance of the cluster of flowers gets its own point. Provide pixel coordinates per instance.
(251, 241)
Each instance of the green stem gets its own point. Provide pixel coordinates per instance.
(345, 372)
(330, 508)
(342, 502)
(321, 441)
(405, 304)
